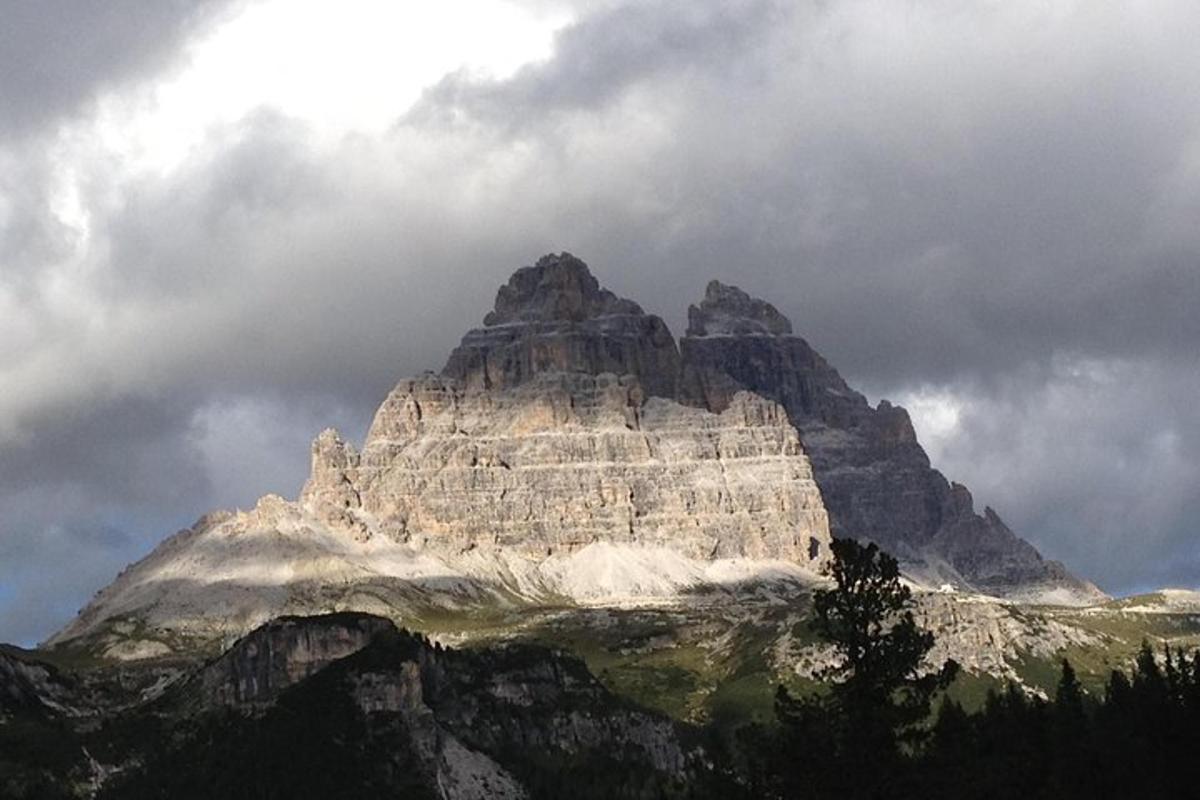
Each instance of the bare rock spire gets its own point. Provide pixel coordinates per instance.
(555, 317)
(727, 310)
(558, 288)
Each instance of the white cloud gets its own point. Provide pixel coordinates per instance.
(346, 67)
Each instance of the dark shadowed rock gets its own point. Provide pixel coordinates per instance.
(284, 652)
(554, 317)
(384, 708)
(559, 288)
(28, 685)
(875, 479)
(728, 311)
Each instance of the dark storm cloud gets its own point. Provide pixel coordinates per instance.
(100, 485)
(607, 53)
(971, 187)
(79, 494)
(58, 55)
(1095, 461)
(994, 203)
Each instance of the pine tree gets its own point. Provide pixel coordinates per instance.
(868, 619)
(878, 690)
(1068, 699)
(1070, 734)
(1117, 692)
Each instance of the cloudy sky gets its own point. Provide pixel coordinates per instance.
(226, 224)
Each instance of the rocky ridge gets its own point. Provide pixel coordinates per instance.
(281, 653)
(470, 725)
(30, 686)
(348, 704)
(462, 692)
(876, 480)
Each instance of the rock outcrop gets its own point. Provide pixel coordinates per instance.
(282, 653)
(466, 724)
(553, 316)
(349, 705)
(29, 686)
(875, 479)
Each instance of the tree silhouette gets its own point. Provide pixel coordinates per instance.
(1068, 699)
(867, 617)
(878, 691)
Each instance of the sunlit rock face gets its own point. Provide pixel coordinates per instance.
(875, 479)
(570, 459)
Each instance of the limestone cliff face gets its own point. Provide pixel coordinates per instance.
(553, 316)
(282, 653)
(565, 460)
(875, 479)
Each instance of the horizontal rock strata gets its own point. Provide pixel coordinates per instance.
(571, 459)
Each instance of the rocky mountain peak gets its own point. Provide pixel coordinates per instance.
(555, 317)
(557, 288)
(571, 448)
(727, 310)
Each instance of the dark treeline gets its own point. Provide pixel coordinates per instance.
(1140, 739)
(874, 733)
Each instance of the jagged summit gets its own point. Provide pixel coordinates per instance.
(729, 311)
(555, 317)
(558, 288)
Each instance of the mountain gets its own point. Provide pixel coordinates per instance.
(607, 540)
(876, 481)
(572, 453)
